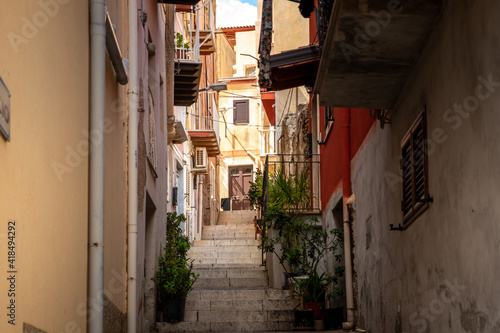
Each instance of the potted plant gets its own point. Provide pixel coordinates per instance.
(255, 191)
(333, 315)
(300, 245)
(174, 276)
(181, 47)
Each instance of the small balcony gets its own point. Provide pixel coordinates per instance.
(187, 77)
(207, 46)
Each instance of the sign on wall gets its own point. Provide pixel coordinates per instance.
(4, 110)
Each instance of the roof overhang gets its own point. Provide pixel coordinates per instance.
(294, 68)
(205, 138)
(370, 49)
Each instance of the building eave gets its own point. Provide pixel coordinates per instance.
(363, 70)
(207, 139)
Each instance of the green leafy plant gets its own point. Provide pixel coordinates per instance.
(179, 41)
(290, 192)
(300, 246)
(174, 276)
(299, 242)
(255, 191)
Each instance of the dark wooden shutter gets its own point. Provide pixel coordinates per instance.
(240, 112)
(414, 171)
(406, 167)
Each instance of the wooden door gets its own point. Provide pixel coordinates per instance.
(240, 178)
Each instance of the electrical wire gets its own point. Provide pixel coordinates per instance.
(195, 115)
(289, 97)
(237, 95)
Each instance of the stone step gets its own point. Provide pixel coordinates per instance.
(228, 227)
(231, 282)
(224, 248)
(241, 215)
(237, 326)
(218, 261)
(241, 305)
(215, 294)
(228, 236)
(225, 242)
(231, 273)
(230, 266)
(227, 255)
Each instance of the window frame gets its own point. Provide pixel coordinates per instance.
(418, 204)
(236, 119)
(328, 111)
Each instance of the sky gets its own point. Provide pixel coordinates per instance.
(233, 13)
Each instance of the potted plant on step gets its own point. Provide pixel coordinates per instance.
(333, 314)
(174, 276)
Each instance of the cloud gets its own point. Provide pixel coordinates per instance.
(234, 13)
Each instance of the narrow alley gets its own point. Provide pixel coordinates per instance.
(250, 166)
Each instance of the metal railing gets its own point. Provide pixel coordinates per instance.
(183, 53)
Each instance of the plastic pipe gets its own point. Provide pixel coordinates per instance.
(96, 168)
(133, 100)
(346, 179)
(169, 70)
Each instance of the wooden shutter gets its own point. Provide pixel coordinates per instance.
(240, 112)
(414, 171)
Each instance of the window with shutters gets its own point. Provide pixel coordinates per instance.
(240, 112)
(414, 171)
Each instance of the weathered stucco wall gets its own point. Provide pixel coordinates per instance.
(44, 168)
(226, 56)
(291, 30)
(441, 273)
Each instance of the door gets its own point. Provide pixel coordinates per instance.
(240, 177)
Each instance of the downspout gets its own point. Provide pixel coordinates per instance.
(96, 168)
(133, 99)
(200, 205)
(169, 69)
(346, 178)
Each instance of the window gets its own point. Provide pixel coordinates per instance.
(250, 70)
(414, 171)
(329, 120)
(240, 112)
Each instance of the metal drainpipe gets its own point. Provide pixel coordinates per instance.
(133, 100)
(96, 169)
(170, 68)
(200, 204)
(346, 177)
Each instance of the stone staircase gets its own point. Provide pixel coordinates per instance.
(232, 293)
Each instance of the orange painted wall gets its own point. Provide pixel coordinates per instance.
(331, 158)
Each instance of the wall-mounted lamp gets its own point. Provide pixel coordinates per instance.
(215, 87)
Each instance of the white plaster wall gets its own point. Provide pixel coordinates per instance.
(441, 273)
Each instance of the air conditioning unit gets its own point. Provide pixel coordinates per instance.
(200, 158)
